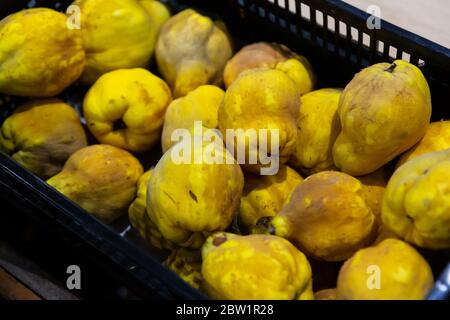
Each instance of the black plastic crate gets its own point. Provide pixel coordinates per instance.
(330, 33)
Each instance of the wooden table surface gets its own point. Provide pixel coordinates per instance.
(429, 19)
(22, 279)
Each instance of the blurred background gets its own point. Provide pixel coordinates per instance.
(429, 19)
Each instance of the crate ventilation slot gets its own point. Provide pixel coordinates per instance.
(319, 18)
(324, 30)
(305, 12)
(354, 34)
(406, 56)
(281, 3)
(392, 52)
(380, 47)
(331, 23)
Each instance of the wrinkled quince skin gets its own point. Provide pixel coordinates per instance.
(300, 71)
(41, 135)
(403, 274)
(264, 196)
(125, 108)
(189, 200)
(273, 56)
(436, 138)
(200, 104)
(255, 267)
(191, 51)
(101, 179)
(374, 185)
(317, 129)
(118, 34)
(261, 99)
(137, 211)
(384, 111)
(140, 219)
(158, 13)
(187, 263)
(31, 37)
(416, 203)
(327, 217)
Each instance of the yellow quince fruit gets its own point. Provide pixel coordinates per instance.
(125, 108)
(191, 51)
(264, 196)
(187, 263)
(416, 203)
(100, 178)
(200, 104)
(261, 99)
(39, 55)
(41, 135)
(272, 56)
(197, 194)
(139, 217)
(436, 138)
(391, 270)
(328, 217)
(119, 34)
(255, 267)
(384, 111)
(317, 129)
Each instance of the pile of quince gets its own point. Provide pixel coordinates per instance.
(363, 177)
